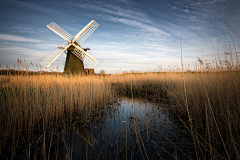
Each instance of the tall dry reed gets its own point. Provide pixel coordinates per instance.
(39, 102)
(206, 101)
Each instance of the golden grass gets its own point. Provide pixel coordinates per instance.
(27, 96)
(41, 101)
(207, 103)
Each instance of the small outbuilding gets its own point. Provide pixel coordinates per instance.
(90, 71)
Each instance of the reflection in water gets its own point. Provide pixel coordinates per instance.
(149, 133)
(132, 129)
(87, 136)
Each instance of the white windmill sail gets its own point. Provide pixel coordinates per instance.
(86, 32)
(52, 57)
(84, 56)
(60, 31)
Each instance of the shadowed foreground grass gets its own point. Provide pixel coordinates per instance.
(207, 104)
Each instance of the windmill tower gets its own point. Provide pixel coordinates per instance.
(77, 57)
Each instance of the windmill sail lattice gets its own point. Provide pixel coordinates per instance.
(52, 57)
(78, 55)
(84, 56)
(87, 33)
(60, 31)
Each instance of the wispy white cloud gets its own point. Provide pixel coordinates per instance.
(28, 29)
(22, 29)
(145, 27)
(116, 10)
(22, 51)
(215, 1)
(131, 17)
(13, 48)
(40, 7)
(174, 7)
(9, 37)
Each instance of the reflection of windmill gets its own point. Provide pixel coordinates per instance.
(80, 131)
(77, 57)
(87, 136)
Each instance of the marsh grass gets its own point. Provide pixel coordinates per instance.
(206, 102)
(213, 101)
(33, 103)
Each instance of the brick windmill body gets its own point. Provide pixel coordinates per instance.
(73, 64)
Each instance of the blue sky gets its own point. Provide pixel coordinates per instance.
(133, 34)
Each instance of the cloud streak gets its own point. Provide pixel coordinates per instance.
(131, 17)
(15, 38)
(118, 11)
(145, 27)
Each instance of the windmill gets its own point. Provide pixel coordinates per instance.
(77, 57)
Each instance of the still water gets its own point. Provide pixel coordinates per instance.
(124, 129)
(127, 129)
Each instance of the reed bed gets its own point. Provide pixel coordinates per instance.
(39, 102)
(207, 103)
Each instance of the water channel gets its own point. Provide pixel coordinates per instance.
(126, 129)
